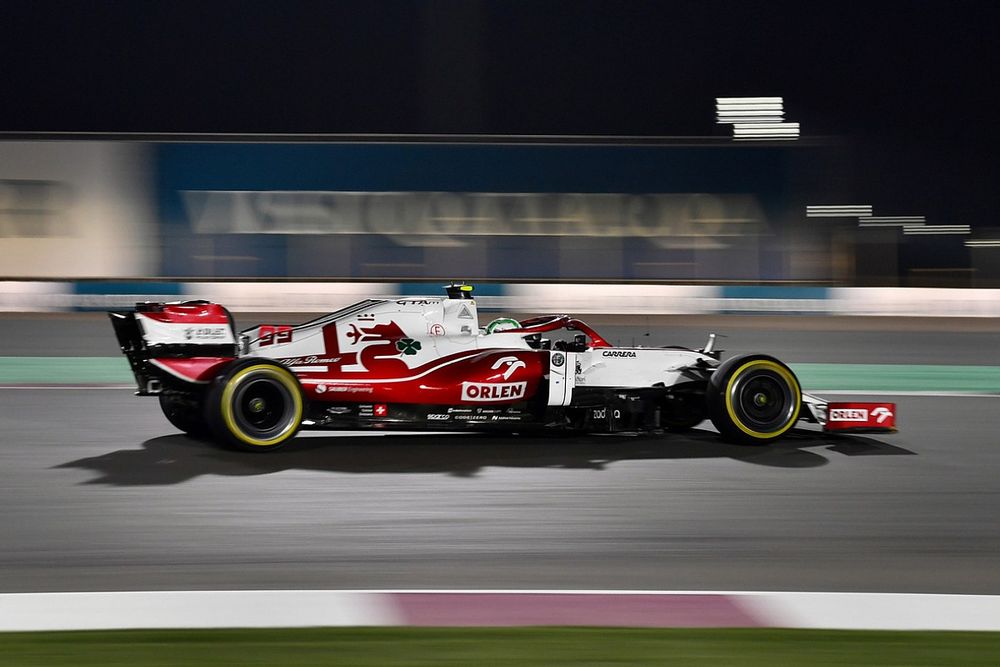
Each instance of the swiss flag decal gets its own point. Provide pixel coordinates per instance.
(381, 410)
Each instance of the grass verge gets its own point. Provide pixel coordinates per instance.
(524, 647)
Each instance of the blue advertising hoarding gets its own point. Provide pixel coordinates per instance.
(502, 212)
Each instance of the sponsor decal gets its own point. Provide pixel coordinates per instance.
(438, 417)
(625, 354)
(881, 414)
(321, 389)
(352, 389)
(511, 363)
(849, 415)
(220, 332)
(381, 410)
(602, 413)
(500, 391)
(417, 302)
(309, 361)
(274, 335)
(558, 359)
(436, 329)
(465, 313)
(857, 415)
(459, 411)
(408, 345)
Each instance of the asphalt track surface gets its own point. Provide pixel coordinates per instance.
(98, 492)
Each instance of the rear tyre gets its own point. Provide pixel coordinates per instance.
(255, 405)
(184, 412)
(753, 399)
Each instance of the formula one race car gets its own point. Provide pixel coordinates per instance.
(425, 363)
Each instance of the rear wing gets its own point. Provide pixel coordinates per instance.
(180, 330)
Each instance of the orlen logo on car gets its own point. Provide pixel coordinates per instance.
(849, 415)
(494, 391)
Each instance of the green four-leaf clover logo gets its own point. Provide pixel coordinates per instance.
(408, 345)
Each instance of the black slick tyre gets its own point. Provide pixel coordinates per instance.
(753, 399)
(255, 405)
(184, 412)
(679, 414)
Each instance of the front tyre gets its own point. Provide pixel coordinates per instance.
(753, 399)
(256, 405)
(682, 413)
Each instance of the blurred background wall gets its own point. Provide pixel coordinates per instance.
(706, 210)
(77, 209)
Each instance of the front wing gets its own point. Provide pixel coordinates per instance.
(850, 417)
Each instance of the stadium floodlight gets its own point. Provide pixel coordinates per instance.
(891, 221)
(748, 116)
(838, 211)
(749, 101)
(752, 110)
(936, 229)
(755, 118)
(765, 131)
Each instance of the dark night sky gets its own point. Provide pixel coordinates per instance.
(909, 84)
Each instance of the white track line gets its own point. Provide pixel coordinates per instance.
(311, 608)
(192, 609)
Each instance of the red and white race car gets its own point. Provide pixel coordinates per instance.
(425, 362)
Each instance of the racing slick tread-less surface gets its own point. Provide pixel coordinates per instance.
(108, 497)
(730, 388)
(255, 405)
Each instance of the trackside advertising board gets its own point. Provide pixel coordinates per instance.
(498, 212)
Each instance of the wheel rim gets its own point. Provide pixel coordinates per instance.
(261, 407)
(763, 398)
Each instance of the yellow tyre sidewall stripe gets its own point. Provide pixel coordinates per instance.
(273, 372)
(781, 371)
